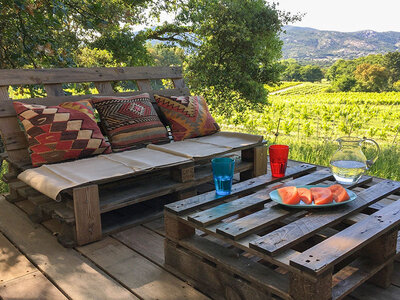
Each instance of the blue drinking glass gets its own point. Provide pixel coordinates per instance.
(223, 168)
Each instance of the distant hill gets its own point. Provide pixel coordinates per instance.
(323, 47)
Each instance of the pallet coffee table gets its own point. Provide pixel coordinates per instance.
(244, 246)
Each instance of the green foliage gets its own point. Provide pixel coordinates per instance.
(391, 61)
(293, 71)
(344, 83)
(306, 88)
(127, 48)
(237, 45)
(372, 78)
(306, 116)
(370, 73)
(89, 58)
(164, 55)
(281, 86)
(311, 73)
(46, 33)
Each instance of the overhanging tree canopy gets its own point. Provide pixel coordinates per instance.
(232, 44)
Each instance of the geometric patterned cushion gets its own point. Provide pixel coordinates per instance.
(85, 106)
(188, 116)
(130, 122)
(57, 133)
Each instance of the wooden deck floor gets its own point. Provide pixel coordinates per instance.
(126, 265)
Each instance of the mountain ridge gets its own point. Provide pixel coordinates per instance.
(306, 44)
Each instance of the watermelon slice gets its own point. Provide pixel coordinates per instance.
(305, 195)
(339, 193)
(289, 195)
(321, 195)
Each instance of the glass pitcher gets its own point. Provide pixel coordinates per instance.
(349, 163)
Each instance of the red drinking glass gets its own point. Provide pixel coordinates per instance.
(278, 157)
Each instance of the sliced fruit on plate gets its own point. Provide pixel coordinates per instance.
(339, 193)
(289, 195)
(321, 195)
(305, 195)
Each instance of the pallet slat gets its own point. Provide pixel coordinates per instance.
(7, 109)
(225, 210)
(75, 75)
(301, 229)
(336, 248)
(184, 206)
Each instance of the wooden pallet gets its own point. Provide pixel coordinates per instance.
(122, 195)
(281, 252)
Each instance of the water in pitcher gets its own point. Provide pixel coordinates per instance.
(348, 171)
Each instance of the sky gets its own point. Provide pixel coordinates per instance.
(346, 15)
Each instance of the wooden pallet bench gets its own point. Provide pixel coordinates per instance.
(245, 246)
(103, 201)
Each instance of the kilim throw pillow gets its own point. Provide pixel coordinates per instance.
(57, 134)
(83, 106)
(188, 116)
(130, 122)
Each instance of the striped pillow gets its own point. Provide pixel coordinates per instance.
(130, 122)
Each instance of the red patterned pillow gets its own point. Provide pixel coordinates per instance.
(57, 133)
(188, 116)
(130, 122)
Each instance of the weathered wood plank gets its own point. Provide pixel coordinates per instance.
(252, 271)
(7, 109)
(355, 274)
(380, 251)
(55, 89)
(31, 286)
(4, 93)
(143, 188)
(15, 140)
(336, 248)
(179, 83)
(183, 173)
(144, 241)
(254, 222)
(301, 229)
(176, 229)
(187, 205)
(156, 226)
(144, 85)
(259, 157)
(213, 280)
(70, 271)
(370, 292)
(137, 273)
(65, 75)
(104, 87)
(301, 288)
(225, 210)
(87, 214)
(12, 263)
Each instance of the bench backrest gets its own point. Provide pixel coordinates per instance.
(52, 79)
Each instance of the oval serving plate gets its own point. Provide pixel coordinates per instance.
(275, 197)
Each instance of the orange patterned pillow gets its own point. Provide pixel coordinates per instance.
(84, 106)
(188, 116)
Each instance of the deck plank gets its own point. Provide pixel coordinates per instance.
(136, 272)
(13, 264)
(146, 242)
(72, 273)
(30, 286)
(371, 292)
